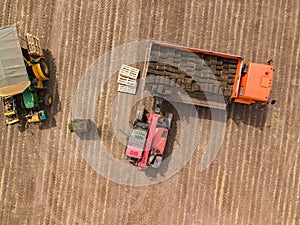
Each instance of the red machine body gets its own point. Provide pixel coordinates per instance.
(147, 142)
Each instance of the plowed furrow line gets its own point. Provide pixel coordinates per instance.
(274, 170)
(241, 162)
(7, 12)
(157, 32)
(78, 38)
(90, 205)
(203, 205)
(218, 21)
(230, 12)
(117, 40)
(9, 158)
(106, 107)
(240, 29)
(221, 188)
(256, 178)
(56, 166)
(125, 202)
(214, 20)
(224, 193)
(259, 156)
(192, 203)
(168, 13)
(281, 137)
(290, 148)
(218, 192)
(102, 96)
(78, 195)
(209, 28)
(228, 162)
(261, 21)
(186, 23)
(181, 187)
(254, 30)
(107, 115)
(205, 27)
(199, 152)
(184, 214)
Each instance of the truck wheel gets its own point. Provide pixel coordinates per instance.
(44, 68)
(48, 100)
(245, 68)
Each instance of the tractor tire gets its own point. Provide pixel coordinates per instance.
(44, 67)
(157, 162)
(48, 100)
(140, 114)
(169, 120)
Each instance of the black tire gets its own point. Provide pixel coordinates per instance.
(245, 68)
(44, 67)
(169, 120)
(140, 113)
(48, 100)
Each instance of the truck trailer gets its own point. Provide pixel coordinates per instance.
(171, 70)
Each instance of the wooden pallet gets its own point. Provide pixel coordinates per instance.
(128, 71)
(127, 89)
(127, 79)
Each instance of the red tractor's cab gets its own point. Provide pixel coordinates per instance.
(137, 141)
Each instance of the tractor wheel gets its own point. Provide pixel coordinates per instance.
(245, 68)
(140, 114)
(157, 161)
(44, 68)
(169, 120)
(48, 100)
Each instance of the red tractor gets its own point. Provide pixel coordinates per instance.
(147, 142)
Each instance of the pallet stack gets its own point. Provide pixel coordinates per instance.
(127, 79)
(34, 46)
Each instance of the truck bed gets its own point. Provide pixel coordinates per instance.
(171, 70)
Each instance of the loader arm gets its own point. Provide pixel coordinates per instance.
(153, 119)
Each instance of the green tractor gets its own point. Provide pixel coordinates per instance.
(23, 77)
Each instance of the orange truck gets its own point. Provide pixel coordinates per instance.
(205, 78)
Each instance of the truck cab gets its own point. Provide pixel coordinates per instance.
(255, 84)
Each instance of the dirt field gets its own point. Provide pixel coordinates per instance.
(255, 178)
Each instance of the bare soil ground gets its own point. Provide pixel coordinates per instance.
(255, 178)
